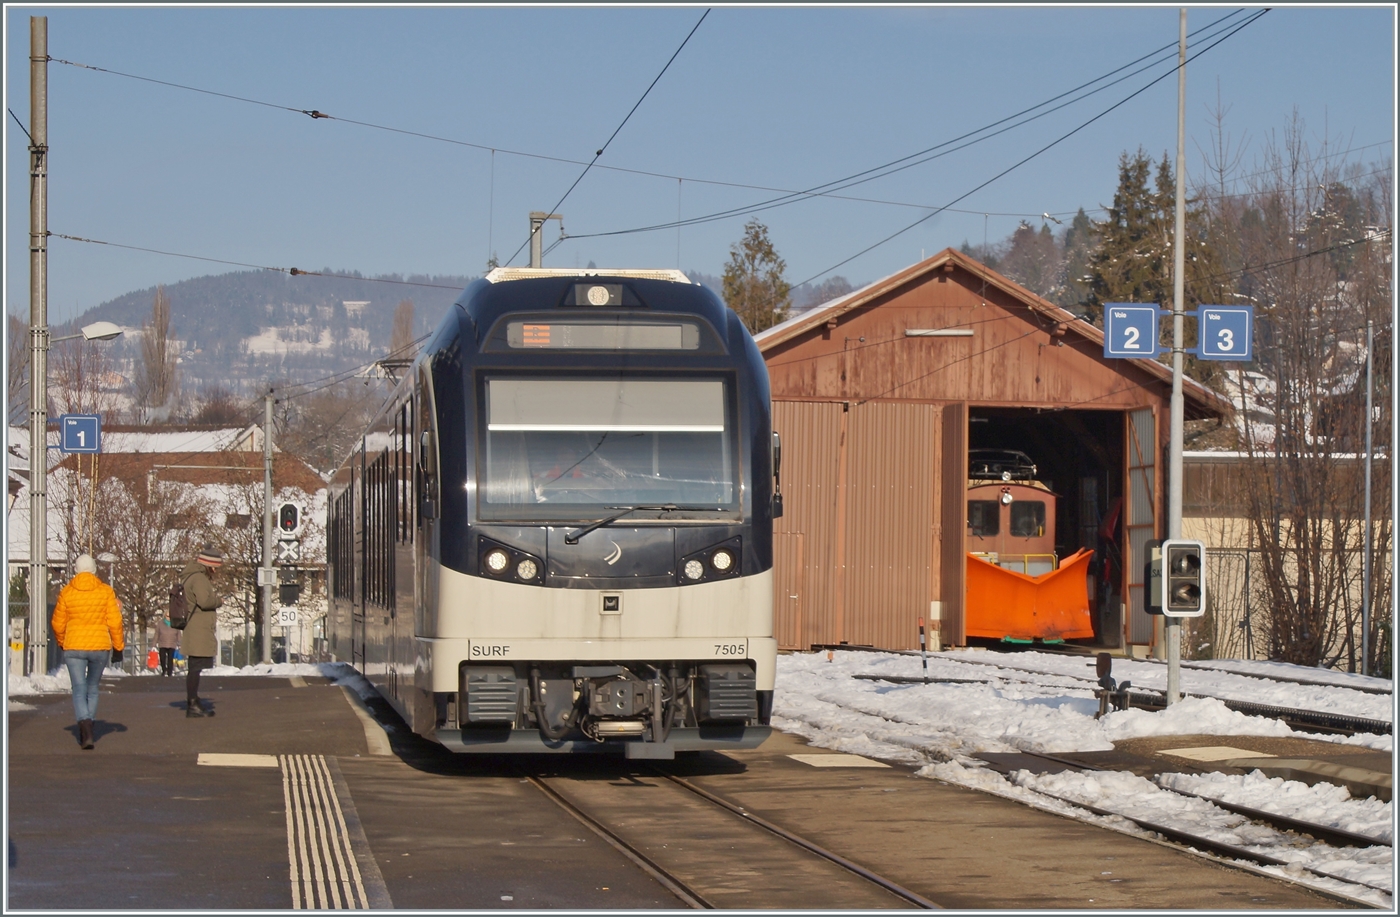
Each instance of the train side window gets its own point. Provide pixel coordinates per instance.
(1027, 519)
(983, 518)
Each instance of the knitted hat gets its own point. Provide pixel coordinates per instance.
(210, 556)
(85, 564)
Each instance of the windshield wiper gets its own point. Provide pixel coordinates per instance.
(573, 537)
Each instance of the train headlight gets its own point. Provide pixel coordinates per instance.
(497, 560)
(694, 569)
(526, 569)
(722, 560)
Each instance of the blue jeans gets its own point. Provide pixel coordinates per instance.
(85, 671)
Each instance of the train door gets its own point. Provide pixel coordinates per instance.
(425, 508)
(1140, 516)
(357, 600)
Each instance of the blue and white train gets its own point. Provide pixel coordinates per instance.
(557, 533)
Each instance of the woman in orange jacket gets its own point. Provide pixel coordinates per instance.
(87, 620)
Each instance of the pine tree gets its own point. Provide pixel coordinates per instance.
(1033, 259)
(753, 280)
(1132, 261)
(1078, 246)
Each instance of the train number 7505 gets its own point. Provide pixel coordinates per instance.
(729, 649)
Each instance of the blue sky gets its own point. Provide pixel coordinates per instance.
(760, 98)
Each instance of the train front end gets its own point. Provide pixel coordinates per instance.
(598, 559)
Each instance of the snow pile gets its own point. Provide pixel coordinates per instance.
(1322, 804)
(56, 682)
(993, 702)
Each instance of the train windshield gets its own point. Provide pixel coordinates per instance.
(567, 447)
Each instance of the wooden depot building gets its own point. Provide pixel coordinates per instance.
(878, 396)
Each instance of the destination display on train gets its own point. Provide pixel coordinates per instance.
(604, 336)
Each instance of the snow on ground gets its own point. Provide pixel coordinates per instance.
(1011, 708)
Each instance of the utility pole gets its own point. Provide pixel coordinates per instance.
(537, 218)
(1366, 538)
(267, 575)
(38, 343)
(1172, 629)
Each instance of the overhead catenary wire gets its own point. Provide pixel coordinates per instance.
(918, 158)
(316, 114)
(616, 131)
(1048, 146)
(291, 271)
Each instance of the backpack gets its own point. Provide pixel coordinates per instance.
(179, 612)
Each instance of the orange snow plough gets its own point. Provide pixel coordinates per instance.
(1017, 607)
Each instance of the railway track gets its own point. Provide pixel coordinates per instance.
(1295, 718)
(1191, 841)
(1325, 833)
(1208, 844)
(689, 867)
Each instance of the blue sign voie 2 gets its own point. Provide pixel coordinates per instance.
(1130, 329)
(80, 433)
(1225, 333)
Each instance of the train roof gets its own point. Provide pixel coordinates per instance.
(504, 274)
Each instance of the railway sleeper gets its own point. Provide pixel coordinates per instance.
(641, 706)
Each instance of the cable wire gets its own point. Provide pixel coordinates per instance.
(290, 271)
(21, 125)
(947, 147)
(1038, 152)
(614, 134)
(316, 114)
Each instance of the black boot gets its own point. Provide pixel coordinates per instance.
(193, 710)
(85, 733)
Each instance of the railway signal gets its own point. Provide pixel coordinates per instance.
(289, 520)
(1183, 578)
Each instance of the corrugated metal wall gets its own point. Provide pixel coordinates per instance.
(854, 562)
(788, 571)
(811, 434)
(889, 521)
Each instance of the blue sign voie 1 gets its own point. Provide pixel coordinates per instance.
(80, 433)
(1130, 329)
(1225, 333)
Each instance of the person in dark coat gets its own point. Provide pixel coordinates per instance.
(200, 642)
(167, 642)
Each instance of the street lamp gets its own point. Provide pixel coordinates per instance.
(39, 474)
(97, 331)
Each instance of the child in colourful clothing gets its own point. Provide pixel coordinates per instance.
(87, 620)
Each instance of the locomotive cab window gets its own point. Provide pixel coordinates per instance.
(983, 518)
(1027, 519)
(571, 446)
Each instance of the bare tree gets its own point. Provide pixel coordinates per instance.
(219, 405)
(17, 369)
(155, 386)
(153, 531)
(321, 426)
(1314, 250)
(82, 380)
